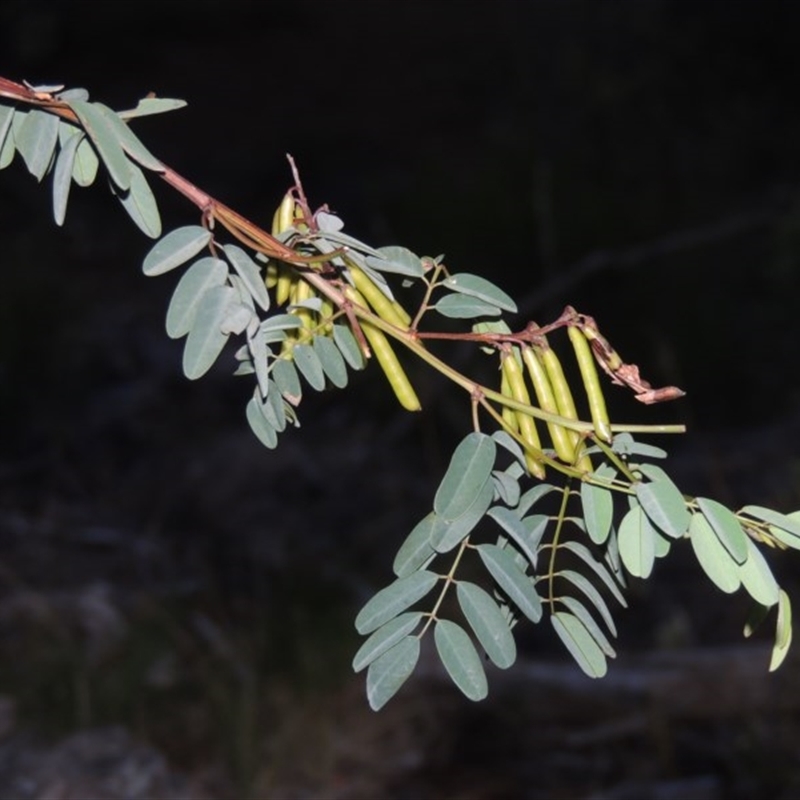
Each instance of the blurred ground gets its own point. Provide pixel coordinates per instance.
(176, 603)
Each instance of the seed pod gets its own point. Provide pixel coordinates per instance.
(527, 424)
(562, 441)
(388, 310)
(563, 396)
(382, 350)
(283, 287)
(271, 278)
(284, 215)
(591, 383)
(302, 291)
(509, 415)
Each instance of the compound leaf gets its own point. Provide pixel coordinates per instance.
(460, 659)
(393, 599)
(390, 671)
(487, 622)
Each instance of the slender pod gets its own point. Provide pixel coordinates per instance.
(563, 396)
(386, 309)
(562, 441)
(387, 358)
(591, 383)
(283, 286)
(526, 423)
(509, 415)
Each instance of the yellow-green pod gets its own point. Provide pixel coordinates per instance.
(303, 291)
(591, 383)
(527, 424)
(386, 309)
(325, 314)
(509, 415)
(564, 400)
(382, 350)
(271, 277)
(563, 443)
(284, 215)
(283, 287)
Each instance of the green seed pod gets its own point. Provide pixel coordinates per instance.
(527, 424)
(591, 383)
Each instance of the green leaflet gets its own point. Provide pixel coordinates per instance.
(636, 543)
(482, 289)
(726, 527)
(662, 502)
(206, 340)
(259, 424)
(598, 505)
(416, 550)
(506, 484)
(451, 532)
(457, 306)
(399, 260)
(715, 560)
(509, 443)
(152, 105)
(309, 366)
(487, 623)
(174, 249)
(250, 273)
(516, 529)
(393, 599)
(591, 593)
(62, 176)
(36, 141)
(783, 632)
(260, 352)
(332, 361)
(598, 568)
(284, 373)
(204, 274)
(390, 671)
(625, 445)
(274, 409)
(386, 637)
(512, 580)
(128, 140)
(460, 659)
(140, 203)
(784, 523)
(105, 138)
(580, 643)
(469, 469)
(348, 346)
(757, 577)
(588, 621)
(531, 497)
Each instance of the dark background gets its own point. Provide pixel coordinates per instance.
(163, 573)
